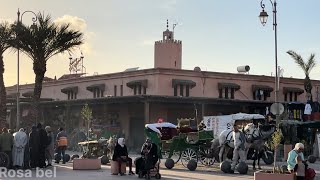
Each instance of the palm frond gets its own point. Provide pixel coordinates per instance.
(47, 39)
(298, 60)
(311, 63)
(5, 36)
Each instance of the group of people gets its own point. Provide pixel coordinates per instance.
(149, 157)
(34, 149)
(296, 162)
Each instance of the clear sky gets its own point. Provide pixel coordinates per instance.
(217, 35)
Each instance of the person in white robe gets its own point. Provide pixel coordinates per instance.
(19, 142)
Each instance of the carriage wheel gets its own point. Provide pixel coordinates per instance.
(4, 160)
(206, 157)
(175, 156)
(187, 155)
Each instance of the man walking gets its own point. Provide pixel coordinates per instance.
(239, 147)
(19, 143)
(62, 144)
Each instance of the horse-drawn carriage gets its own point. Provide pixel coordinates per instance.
(255, 129)
(182, 142)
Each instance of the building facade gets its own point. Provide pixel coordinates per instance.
(124, 102)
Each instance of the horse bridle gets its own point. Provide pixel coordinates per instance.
(253, 134)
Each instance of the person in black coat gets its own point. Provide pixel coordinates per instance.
(121, 155)
(43, 142)
(34, 147)
(149, 151)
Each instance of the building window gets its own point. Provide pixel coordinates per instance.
(187, 90)
(72, 95)
(261, 95)
(135, 90)
(121, 90)
(227, 93)
(115, 90)
(175, 89)
(139, 89)
(144, 90)
(293, 96)
(97, 93)
(181, 89)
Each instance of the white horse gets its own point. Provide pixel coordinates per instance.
(225, 138)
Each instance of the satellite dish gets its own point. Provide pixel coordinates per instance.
(275, 107)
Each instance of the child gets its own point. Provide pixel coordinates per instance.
(300, 170)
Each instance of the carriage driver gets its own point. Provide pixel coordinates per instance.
(239, 147)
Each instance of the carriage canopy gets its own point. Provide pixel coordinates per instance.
(220, 123)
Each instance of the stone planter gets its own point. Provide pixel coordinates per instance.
(268, 176)
(115, 167)
(86, 164)
(286, 149)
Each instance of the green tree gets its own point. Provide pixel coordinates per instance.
(306, 67)
(275, 142)
(5, 38)
(40, 43)
(86, 114)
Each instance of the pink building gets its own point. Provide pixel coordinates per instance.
(123, 102)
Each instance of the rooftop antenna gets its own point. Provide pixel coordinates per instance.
(173, 26)
(167, 24)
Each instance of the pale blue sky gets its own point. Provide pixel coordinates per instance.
(216, 35)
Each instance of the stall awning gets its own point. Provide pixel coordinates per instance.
(262, 87)
(143, 83)
(96, 86)
(27, 94)
(228, 85)
(68, 89)
(183, 82)
(292, 89)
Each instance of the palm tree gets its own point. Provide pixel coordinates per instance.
(40, 43)
(306, 67)
(5, 36)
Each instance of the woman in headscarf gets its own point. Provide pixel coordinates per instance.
(296, 161)
(19, 142)
(121, 155)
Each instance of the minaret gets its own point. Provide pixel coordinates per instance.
(168, 51)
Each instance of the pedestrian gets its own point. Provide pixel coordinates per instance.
(62, 143)
(34, 141)
(121, 155)
(19, 142)
(26, 163)
(6, 144)
(50, 146)
(296, 161)
(42, 146)
(239, 147)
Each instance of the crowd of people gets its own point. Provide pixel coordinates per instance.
(35, 149)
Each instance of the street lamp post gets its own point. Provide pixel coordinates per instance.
(263, 18)
(19, 20)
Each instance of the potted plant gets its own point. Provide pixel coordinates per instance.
(277, 173)
(87, 163)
